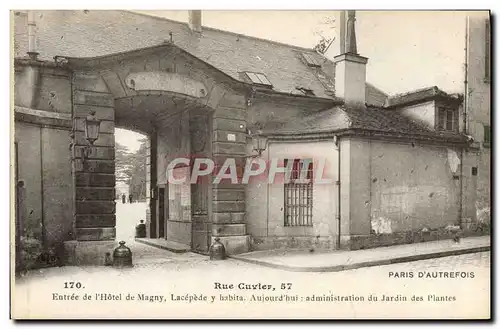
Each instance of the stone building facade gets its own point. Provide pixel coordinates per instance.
(397, 164)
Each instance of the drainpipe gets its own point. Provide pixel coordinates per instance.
(464, 129)
(33, 70)
(466, 73)
(337, 142)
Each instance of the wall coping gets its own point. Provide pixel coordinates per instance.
(40, 117)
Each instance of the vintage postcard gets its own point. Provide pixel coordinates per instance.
(251, 164)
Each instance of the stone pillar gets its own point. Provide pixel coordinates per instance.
(355, 197)
(228, 205)
(95, 176)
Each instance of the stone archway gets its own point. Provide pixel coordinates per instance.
(135, 92)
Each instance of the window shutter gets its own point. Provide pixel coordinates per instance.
(487, 50)
(487, 134)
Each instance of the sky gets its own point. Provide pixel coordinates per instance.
(406, 50)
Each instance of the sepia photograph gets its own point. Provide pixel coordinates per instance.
(250, 164)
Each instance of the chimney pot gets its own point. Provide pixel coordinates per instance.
(350, 69)
(33, 55)
(351, 33)
(195, 20)
(31, 32)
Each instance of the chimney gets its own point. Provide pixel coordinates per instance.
(350, 68)
(31, 33)
(195, 20)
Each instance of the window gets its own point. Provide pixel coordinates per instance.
(447, 119)
(487, 51)
(299, 193)
(487, 134)
(258, 78)
(311, 60)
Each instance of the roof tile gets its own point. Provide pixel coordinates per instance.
(92, 33)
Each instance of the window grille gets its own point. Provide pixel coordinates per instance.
(299, 193)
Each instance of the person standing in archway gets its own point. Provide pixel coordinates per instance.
(130, 198)
(124, 198)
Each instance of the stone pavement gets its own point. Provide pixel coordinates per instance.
(334, 261)
(160, 272)
(128, 216)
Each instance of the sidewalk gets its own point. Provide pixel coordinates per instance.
(342, 260)
(172, 246)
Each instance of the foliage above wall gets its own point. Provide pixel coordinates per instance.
(131, 168)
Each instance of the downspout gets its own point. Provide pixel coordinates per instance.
(268, 198)
(33, 70)
(464, 129)
(337, 143)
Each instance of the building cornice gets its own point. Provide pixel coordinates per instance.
(42, 118)
(457, 141)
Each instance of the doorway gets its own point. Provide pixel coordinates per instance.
(132, 171)
(162, 211)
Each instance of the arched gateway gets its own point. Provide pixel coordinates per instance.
(188, 109)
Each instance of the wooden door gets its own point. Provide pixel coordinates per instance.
(161, 212)
(200, 191)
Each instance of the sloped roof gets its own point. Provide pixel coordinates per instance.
(374, 119)
(92, 33)
(375, 96)
(79, 33)
(418, 96)
(333, 119)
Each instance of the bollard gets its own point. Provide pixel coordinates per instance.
(140, 230)
(122, 256)
(217, 250)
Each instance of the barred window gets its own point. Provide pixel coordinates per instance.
(299, 193)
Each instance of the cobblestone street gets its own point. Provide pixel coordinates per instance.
(128, 216)
(160, 272)
(239, 289)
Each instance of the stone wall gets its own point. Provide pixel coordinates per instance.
(479, 110)
(228, 206)
(398, 189)
(94, 176)
(265, 202)
(45, 187)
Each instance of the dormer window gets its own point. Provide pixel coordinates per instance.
(259, 79)
(310, 60)
(447, 119)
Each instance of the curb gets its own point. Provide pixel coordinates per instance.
(160, 246)
(339, 268)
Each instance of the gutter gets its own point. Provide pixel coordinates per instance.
(366, 133)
